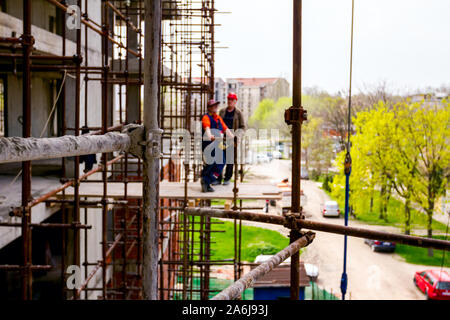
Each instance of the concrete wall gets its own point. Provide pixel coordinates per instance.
(41, 104)
(94, 58)
(94, 252)
(44, 90)
(41, 12)
(278, 89)
(249, 98)
(50, 43)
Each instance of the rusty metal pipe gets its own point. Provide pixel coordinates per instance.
(89, 24)
(66, 185)
(237, 288)
(47, 225)
(151, 170)
(101, 263)
(228, 214)
(296, 139)
(27, 44)
(326, 227)
(10, 40)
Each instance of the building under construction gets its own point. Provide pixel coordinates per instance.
(100, 196)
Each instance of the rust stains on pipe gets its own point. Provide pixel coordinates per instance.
(320, 226)
(228, 214)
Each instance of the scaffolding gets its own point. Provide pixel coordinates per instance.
(152, 247)
(186, 76)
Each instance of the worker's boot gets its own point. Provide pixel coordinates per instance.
(206, 187)
(226, 182)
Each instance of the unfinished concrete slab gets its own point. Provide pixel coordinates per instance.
(175, 190)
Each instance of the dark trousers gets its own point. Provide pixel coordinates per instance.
(228, 168)
(208, 173)
(228, 173)
(212, 172)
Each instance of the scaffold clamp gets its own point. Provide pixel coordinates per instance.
(295, 115)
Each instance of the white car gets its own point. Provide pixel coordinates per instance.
(331, 209)
(312, 271)
(262, 158)
(277, 155)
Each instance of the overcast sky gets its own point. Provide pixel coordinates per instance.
(403, 42)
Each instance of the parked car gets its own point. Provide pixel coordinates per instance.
(312, 271)
(262, 158)
(377, 245)
(277, 155)
(304, 173)
(435, 284)
(331, 209)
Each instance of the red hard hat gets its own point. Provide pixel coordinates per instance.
(232, 95)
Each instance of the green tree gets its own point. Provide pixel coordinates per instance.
(374, 142)
(404, 147)
(403, 170)
(259, 119)
(428, 129)
(317, 146)
(270, 115)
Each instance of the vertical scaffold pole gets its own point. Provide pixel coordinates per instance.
(152, 151)
(27, 44)
(296, 141)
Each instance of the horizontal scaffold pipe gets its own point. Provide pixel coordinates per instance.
(247, 281)
(18, 149)
(326, 227)
(242, 215)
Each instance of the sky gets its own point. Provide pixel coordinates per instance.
(405, 43)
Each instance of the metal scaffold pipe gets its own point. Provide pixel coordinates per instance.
(297, 223)
(296, 138)
(152, 152)
(18, 149)
(237, 288)
(27, 44)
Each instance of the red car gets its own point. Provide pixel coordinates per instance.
(435, 284)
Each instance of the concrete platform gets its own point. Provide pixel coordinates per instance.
(11, 197)
(175, 190)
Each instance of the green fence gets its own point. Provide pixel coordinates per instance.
(314, 292)
(216, 285)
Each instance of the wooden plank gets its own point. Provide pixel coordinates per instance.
(175, 190)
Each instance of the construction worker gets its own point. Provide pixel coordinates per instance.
(213, 128)
(234, 119)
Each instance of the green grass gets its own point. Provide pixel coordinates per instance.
(395, 214)
(417, 255)
(255, 241)
(221, 202)
(395, 217)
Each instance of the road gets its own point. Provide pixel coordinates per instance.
(371, 275)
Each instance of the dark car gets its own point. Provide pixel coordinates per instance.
(377, 245)
(435, 284)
